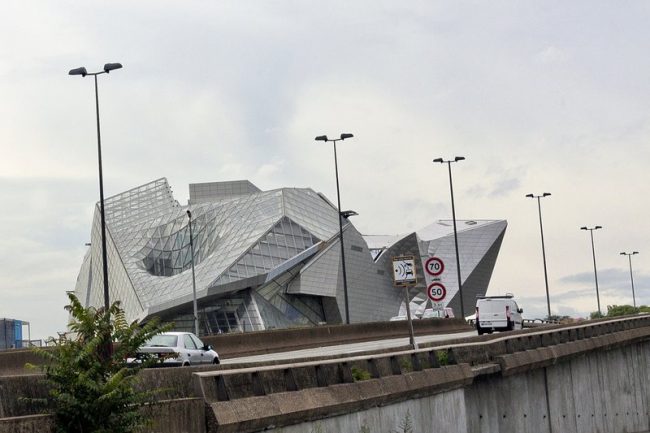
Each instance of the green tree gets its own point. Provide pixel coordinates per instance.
(596, 315)
(91, 388)
(621, 310)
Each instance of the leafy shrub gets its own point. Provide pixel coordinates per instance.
(596, 315)
(406, 364)
(443, 358)
(91, 388)
(359, 374)
(621, 310)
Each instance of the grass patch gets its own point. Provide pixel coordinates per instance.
(359, 374)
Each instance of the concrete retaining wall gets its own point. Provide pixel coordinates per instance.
(439, 413)
(578, 380)
(170, 416)
(258, 413)
(178, 416)
(27, 424)
(15, 392)
(592, 379)
(13, 361)
(605, 392)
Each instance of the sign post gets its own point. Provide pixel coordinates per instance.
(405, 275)
(434, 267)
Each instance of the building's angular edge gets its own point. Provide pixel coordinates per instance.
(265, 259)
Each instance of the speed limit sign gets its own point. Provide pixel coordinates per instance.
(436, 292)
(434, 266)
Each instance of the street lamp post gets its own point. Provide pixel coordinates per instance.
(593, 252)
(108, 67)
(338, 197)
(453, 214)
(195, 308)
(629, 256)
(541, 229)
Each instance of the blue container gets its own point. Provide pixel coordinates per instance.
(11, 334)
(18, 332)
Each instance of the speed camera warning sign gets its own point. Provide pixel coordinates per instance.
(404, 270)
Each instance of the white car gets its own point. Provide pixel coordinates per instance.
(445, 313)
(187, 347)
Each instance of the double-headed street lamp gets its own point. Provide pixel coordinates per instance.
(541, 229)
(629, 256)
(453, 214)
(340, 214)
(593, 252)
(195, 308)
(108, 67)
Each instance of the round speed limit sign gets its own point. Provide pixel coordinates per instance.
(434, 266)
(436, 292)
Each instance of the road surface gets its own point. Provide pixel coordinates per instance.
(347, 348)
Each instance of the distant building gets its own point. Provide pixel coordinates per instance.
(266, 259)
(11, 333)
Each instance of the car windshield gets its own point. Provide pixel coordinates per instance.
(162, 340)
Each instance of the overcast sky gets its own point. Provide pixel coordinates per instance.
(539, 96)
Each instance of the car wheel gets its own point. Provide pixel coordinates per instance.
(186, 364)
(480, 330)
(216, 361)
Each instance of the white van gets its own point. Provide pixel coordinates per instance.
(497, 313)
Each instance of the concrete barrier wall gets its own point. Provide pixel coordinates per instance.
(605, 392)
(170, 416)
(252, 343)
(177, 416)
(594, 378)
(27, 424)
(284, 409)
(13, 361)
(439, 413)
(15, 392)
(528, 389)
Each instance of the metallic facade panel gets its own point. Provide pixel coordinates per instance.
(264, 259)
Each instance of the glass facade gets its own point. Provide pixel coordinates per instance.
(262, 259)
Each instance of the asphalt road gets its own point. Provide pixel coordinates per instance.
(347, 348)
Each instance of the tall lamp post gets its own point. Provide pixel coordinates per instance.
(338, 198)
(195, 308)
(108, 67)
(453, 214)
(541, 229)
(629, 256)
(593, 252)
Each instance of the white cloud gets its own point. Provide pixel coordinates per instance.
(550, 55)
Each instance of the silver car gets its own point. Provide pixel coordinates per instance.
(187, 347)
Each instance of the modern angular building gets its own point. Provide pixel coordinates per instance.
(266, 259)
